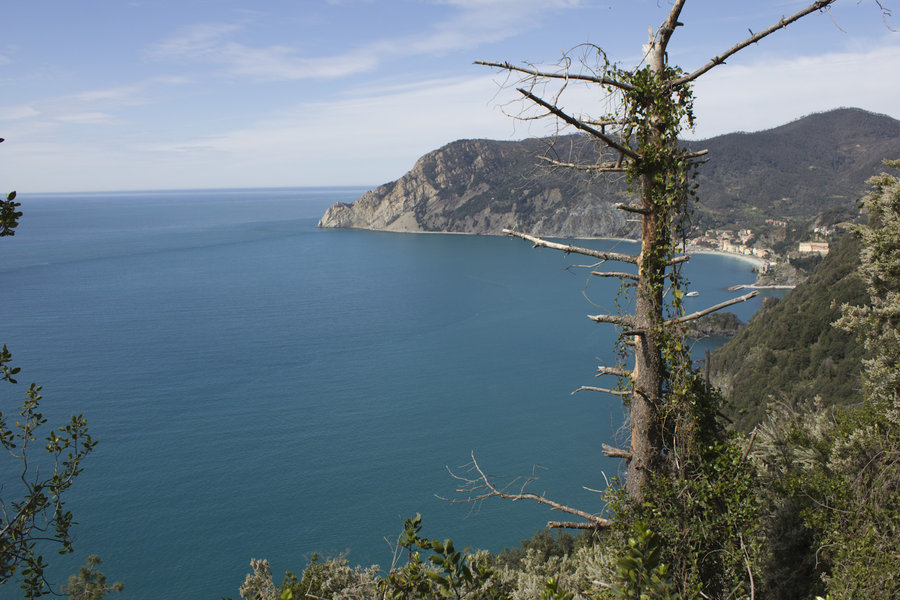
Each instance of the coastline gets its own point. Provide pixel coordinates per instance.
(757, 262)
(753, 286)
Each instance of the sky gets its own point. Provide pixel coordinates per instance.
(184, 94)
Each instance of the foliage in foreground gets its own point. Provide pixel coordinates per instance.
(833, 476)
(89, 583)
(789, 351)
(546, 567)
(32, 508)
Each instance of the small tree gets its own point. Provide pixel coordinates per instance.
(89, 583)
(878, 324)
(9, 216)
(32, 507)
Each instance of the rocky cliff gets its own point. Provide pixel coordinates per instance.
(482, 186)
(798, 170)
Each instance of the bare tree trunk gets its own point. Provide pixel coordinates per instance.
(650, 368)
(643, 140)
(648, 374)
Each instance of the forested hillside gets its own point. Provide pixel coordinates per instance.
(790, 350)
(799, 169)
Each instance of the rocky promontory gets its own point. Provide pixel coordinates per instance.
(482, 186)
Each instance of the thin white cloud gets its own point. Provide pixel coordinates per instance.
(211, 43)
(281, 63)
(86, 118)
(200, 41)
(127, 95)
(472, 24)
(15, 113)
(365, 139)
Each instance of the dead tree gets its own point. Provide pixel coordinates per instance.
(652, 104)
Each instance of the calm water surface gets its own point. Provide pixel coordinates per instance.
(261, 388)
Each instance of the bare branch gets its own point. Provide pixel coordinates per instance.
(574, 525)
(632, 208)
(613, 371)
(623, 320)
(564, 75)
(750, 443)
(590, 388)
(632, 332)
(668, 28)
(885, 13)
(579, 124)
(568, 249)
(608, 122)
(720, 59)
(616, 452)
(749, 571)
(607, 167)
(712, 309)
(618, 274)
(482, 487)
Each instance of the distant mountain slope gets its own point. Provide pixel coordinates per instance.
(789, 351)
(799, 169)
(481, 186)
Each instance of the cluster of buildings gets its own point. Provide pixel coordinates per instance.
(738, 242)
(813, 248)
(727, 240)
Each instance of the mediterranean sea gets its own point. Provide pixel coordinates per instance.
(262, 388)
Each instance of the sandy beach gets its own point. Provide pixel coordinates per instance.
(757, 262)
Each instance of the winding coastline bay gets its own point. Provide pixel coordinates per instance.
(262, 388)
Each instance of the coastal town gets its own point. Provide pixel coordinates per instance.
(744, 242)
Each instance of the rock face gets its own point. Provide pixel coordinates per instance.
(797, 170)
(482, 186)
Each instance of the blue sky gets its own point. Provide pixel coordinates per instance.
(160, 94)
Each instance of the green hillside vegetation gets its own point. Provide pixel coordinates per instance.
(790, 351)
(797, 170)
(717, 324)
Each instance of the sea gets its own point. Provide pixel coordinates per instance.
(261, 388)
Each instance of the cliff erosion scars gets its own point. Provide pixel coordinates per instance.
(483, 186)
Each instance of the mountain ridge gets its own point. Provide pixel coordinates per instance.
(480, 186)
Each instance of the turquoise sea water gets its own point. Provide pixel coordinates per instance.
(261, 388)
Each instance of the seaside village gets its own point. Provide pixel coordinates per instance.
(740, 242)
